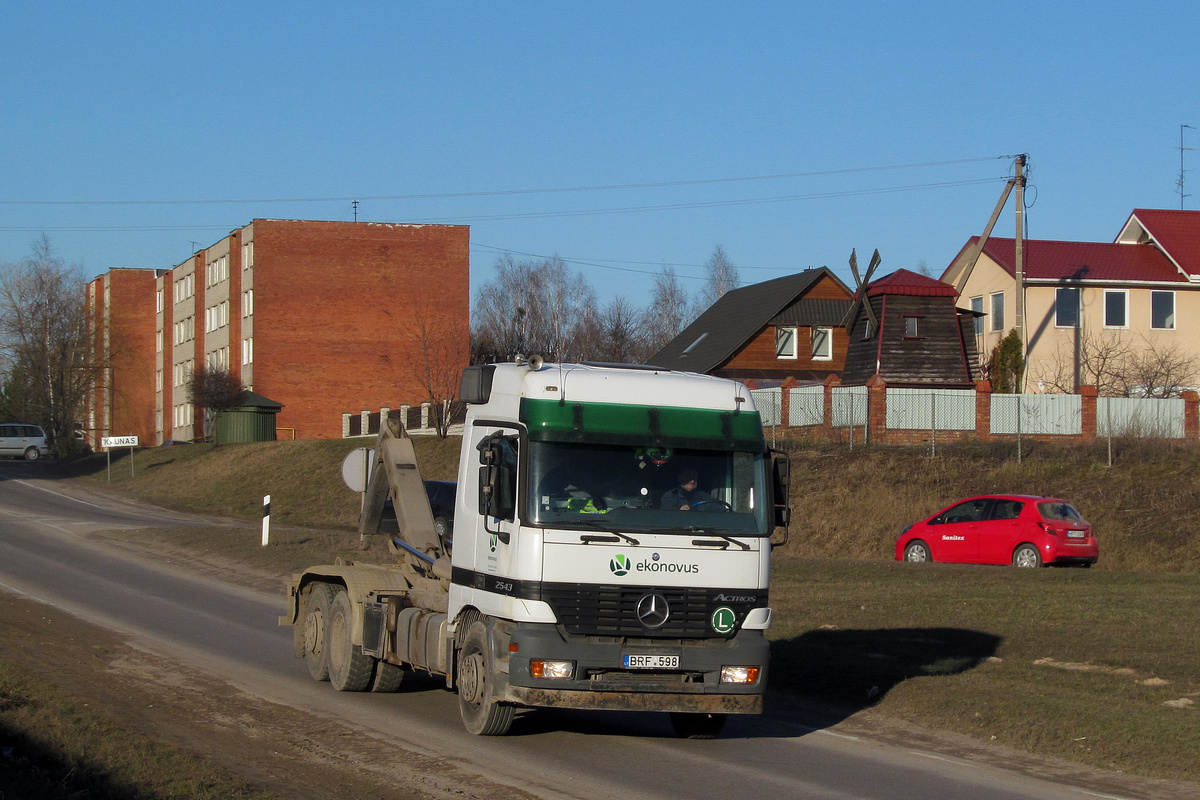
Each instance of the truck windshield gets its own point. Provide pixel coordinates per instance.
(628, 488)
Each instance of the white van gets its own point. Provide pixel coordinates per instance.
(28, 441)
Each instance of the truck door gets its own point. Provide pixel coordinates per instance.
(497, 523)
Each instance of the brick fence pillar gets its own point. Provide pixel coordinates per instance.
(983, 410)
(1191, 415)
(827, 407)
(876, 410)
(785, 400)
(1087, 395)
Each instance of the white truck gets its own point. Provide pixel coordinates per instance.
(573, 576)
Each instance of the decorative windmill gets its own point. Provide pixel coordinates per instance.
(860, 293)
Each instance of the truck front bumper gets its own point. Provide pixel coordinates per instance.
(600, 679)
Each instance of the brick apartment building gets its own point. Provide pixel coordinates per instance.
(323, 317)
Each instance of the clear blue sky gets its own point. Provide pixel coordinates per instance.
(267, 102)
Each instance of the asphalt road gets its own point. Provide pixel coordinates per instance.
(231, 632)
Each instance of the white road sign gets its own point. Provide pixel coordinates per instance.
(119, 441)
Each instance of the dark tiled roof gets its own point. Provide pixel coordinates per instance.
(736, 318)
(812, 311)
(1083, 261)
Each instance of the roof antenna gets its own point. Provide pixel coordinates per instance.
(1179, 183)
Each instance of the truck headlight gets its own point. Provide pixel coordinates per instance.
(739, 674)
(551, 669)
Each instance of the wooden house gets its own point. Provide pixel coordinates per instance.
(905, 328)
(789, 327)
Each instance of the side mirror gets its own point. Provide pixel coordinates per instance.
(497, 478)
(781, 473)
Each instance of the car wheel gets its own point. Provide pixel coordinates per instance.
(1027, 556)
(388, 677)
(32, 454)
(917, 552)
(482, 715)
(350, 669)
(312, 629)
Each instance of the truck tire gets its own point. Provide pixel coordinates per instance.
(482, 715)
(388, 677)
(697, 726)
(312, 630)
(350, 670)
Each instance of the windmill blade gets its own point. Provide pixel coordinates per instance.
(854, 268)
(875, 262)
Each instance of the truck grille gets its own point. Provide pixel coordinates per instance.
(612, 610)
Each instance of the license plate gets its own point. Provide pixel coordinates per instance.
(651, 662)
(1076, 535)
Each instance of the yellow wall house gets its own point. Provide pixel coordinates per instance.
(1124, 317)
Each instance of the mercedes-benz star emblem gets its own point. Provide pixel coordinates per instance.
(653, 611)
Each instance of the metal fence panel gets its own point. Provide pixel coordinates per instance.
(769, 403)
(1037, 413)
(1149, 417)
(849, 406)
(806, 406)
(931, 409)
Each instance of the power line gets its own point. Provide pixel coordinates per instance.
(503, 192)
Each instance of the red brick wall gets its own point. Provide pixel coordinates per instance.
(127, 384)
(338, 308)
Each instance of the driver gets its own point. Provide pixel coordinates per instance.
(684, 496)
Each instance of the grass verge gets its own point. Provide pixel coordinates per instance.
(55, 746)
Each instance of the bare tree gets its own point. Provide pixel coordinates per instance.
(437, 364)
(667, 313)
(619, 334)
(1118, 366)
(213, 389)
(721, 276)
(43, 340)
(533, 307)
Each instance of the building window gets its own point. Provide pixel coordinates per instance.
(247, 255)
(1116, 308)
(158, 301)
(785, 342)
(910, 328)
(158, 340)
(1162, 310)
(247, 302)
(1066, 307)
(248, 350)
(158, 380)
(977, 307)
(822, 344)
(998, 312)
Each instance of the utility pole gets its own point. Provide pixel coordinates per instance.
(1179, 183)
(354, 203)
(1018, 259)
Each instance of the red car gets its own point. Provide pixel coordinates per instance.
(1002, 529)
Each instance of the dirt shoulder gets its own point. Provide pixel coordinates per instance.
(275, 748)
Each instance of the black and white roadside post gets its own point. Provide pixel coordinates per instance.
(109, 442)
(266, 530)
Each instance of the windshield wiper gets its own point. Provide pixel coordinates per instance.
(611, 536)
(724, 545)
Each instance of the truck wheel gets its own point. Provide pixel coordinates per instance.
(388, 677)
(697, 726)
(350, 670)
(311, 630)
(481, 714)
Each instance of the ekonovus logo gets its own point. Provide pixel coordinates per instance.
(723, 620)
(619, 565)
(492, 542)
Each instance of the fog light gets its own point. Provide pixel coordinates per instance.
(551, 669)
(739, 674)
